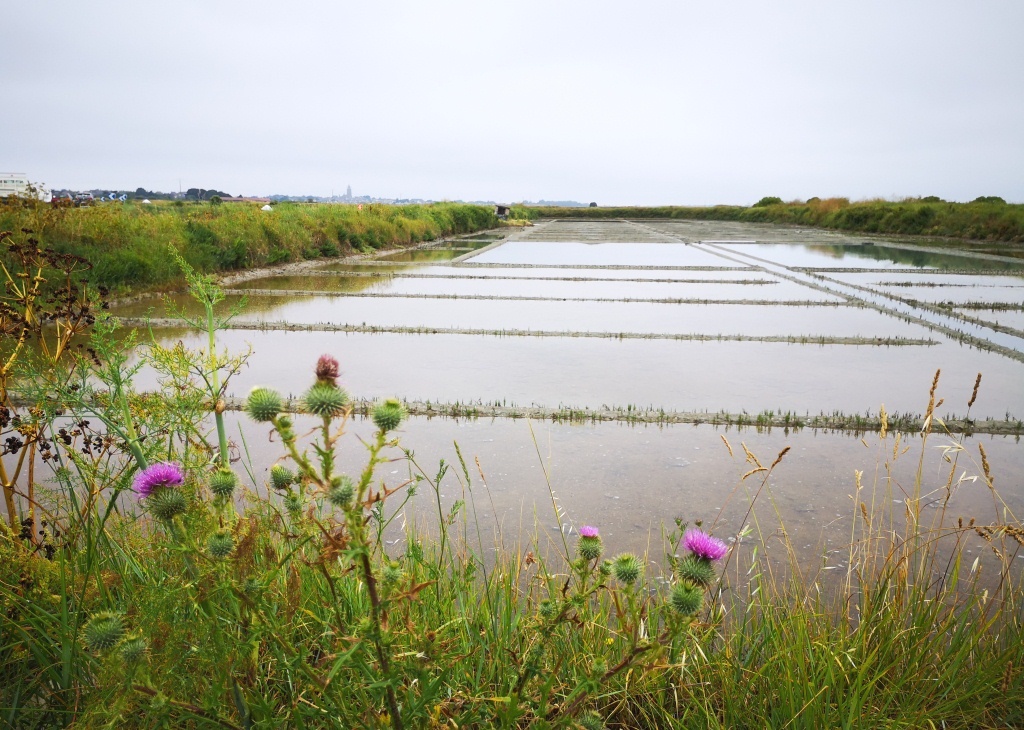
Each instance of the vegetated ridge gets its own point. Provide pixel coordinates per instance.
(985, 219)
(129, 245)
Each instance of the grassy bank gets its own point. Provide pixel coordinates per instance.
(983, 221)
(128, 244)
(157, 580)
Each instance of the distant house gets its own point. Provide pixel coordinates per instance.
(502, 211)
(229, 199)
(18, 185)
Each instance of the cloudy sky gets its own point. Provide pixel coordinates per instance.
(620, 103)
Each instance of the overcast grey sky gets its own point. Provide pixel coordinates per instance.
(620, 103)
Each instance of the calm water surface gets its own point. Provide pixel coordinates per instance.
(632, 479)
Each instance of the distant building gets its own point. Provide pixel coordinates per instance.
(348, 193)
(18, 185)
(502, 211)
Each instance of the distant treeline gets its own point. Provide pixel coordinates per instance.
(987, 219)
(128, 245)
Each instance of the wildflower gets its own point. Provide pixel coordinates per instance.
(704, 546)
(161, 475)
(589, 546)
(327, 369)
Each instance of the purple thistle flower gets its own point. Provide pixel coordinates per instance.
(703, 545)
(328, 369)
(588, 531)
(156, 476)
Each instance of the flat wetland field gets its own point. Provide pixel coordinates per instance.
(624, 317)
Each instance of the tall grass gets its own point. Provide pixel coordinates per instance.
(128, 244)
(985, 221)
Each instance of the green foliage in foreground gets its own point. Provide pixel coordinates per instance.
(984, 219)
(128, 244)
(199, 606)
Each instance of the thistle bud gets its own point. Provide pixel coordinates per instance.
(263, 405)
(281, 477)
(686, 598)
(548, 609)
(325, 400)
(627, 568)
(220, 544)
(133, 650)
(589, 546)
(103, 631)
(342, 491)
(696, 570)
(388, 415)
(166, 504)
(223, 482)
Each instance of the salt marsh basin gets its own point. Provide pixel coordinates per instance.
(670, 315)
